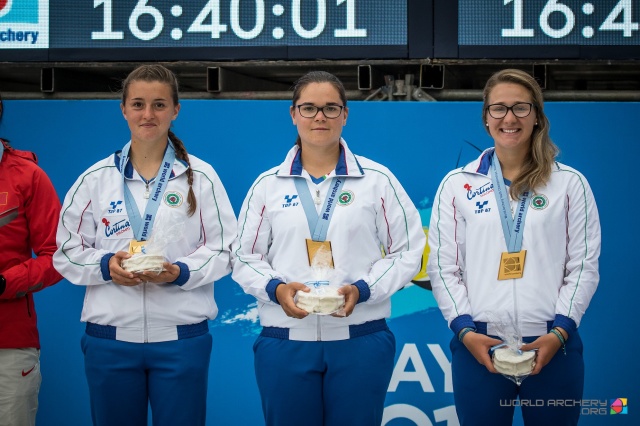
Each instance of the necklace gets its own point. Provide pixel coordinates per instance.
(147, 192)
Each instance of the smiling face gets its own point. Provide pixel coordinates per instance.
(149, 110)
(510, 132)
(319, 131)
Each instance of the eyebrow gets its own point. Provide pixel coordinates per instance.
(153, 100)
(327, 104)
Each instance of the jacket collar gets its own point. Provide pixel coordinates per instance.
(482, 164)
(347, 163)
(179, 166)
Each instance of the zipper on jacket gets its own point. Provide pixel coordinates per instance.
(516, 318)
(28, 306)
(144, 311)
(318, 328)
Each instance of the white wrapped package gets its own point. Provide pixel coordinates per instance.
(322, 300)
(513, 363)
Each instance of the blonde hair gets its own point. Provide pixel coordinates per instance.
(155, 72)
(542, 152)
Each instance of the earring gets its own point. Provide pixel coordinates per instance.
(486, 124)
(536, 123)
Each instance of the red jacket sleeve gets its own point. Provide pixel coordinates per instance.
(42, 210)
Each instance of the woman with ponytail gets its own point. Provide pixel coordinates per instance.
(147, 339)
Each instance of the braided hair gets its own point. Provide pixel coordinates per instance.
(156, 72)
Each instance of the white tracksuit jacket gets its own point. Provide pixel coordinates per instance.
(373, 212)
(561, 237)
(94, 224)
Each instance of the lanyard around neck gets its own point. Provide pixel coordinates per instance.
(319, 223)
(142, 226)
(512, 227)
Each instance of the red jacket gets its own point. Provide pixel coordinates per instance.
(29, 211)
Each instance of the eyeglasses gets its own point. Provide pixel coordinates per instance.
(329, 111)
(520, 110)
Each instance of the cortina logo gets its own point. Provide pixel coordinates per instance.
(288, 201)
(117, 228)
(114, 204)
(480, 207)
(485, 189)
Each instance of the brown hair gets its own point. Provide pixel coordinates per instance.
(317, 77)
(155, 72)
(542, 153)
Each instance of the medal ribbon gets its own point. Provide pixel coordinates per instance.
(142, 226)
(512, 227)
(319, 223)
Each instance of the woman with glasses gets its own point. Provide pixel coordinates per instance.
(515, 240)
(325, 369)
(147, 340)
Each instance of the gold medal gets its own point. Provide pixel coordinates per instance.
(511, 265)
(319, 253)
(136, 246)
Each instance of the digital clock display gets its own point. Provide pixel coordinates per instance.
(63, 30)
(143, 30)
(549, 22)
(227, 23)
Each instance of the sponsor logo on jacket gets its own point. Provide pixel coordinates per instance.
(289, 201)
(115, 207)
(115, 228)
(482, 191)
(481, 207)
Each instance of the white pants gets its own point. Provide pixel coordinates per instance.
(19, 386)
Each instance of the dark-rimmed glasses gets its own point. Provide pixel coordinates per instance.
(329, 111)
(520, 110)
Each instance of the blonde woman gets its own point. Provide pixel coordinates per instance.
(515, 205)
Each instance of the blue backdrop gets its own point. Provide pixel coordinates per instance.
(419, 142)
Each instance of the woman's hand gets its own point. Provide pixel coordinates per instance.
(351, 296)
(479, 344)
(120, 276)
(285, 294)
(547, 346)
(171, 273)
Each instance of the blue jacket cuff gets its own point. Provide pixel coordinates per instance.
(184, 274)
(463, 321)
(104, 266)
(566, 323)
(365, 291)
(271, 289)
